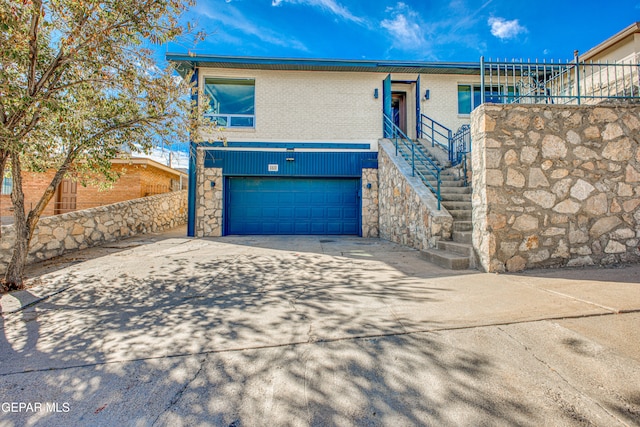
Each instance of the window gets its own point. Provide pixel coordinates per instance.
(469, 96)
(231, 101)
(465, 104)
(7, 184)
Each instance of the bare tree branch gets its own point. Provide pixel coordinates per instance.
(33, 45)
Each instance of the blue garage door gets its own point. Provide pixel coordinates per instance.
(292, 206)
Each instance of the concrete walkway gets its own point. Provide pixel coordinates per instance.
(167, 330)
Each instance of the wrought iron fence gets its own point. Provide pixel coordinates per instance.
(574, 82)
(461, 143)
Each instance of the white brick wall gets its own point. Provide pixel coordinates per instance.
(311, 106)
(442, 105)
(314, 106)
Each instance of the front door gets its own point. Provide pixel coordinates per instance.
(66, 199)
(399, 110)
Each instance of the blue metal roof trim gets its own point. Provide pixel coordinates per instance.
(256, 163)
(310, 64)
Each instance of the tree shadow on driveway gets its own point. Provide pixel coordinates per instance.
(208, 332)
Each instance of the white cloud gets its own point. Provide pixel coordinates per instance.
(405, 28)
(404, 32)
(232, 18)
(504, 29)
(328, 5)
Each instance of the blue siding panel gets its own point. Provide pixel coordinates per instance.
(191, 191)
(286, 205)
(318, 164)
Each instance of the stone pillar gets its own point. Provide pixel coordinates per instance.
(209, 199)
(370, 215)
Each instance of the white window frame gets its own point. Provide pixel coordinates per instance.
(228, 118)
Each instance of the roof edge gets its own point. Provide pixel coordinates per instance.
(146, 161)
(191, 60)
(631, 29)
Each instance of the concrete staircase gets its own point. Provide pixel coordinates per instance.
(458, 253)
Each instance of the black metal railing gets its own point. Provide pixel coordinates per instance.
(452, 143)
(434, 132)
(460, 144)
(571, 82)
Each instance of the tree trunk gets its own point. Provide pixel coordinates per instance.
(25, 224)
(13, 277)
(3, 161)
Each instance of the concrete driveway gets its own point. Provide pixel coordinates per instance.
(268, 331)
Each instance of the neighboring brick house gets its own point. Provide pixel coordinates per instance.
(140, 177)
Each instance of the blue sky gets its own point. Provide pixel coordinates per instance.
(421, 30)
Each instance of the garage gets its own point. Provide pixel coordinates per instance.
(292, 205)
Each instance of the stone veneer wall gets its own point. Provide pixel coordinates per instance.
(56, 235)
(408, 210)
(209, 200)
(555, 185)
(370, 211)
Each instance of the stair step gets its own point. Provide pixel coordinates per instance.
(456, 197)
(456, 205)
(446, 259)
(446, 184)
(462, 226)
(462, 236)
(456, 190)
(463, 249)
(443, 173)
(460, 214)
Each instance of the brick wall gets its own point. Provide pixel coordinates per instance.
(33, 186)
(155, 181)
(337, 106)
(136, 181)
(5, 205)
(442, 104)
(127, 187)
(310, 105)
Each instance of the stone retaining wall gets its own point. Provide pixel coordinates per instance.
(408, 210)
(56, 235)
(555, 185)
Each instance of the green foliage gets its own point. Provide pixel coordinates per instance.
(75, 76)
(79, 86)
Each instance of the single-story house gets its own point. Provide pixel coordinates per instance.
(140, 177)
